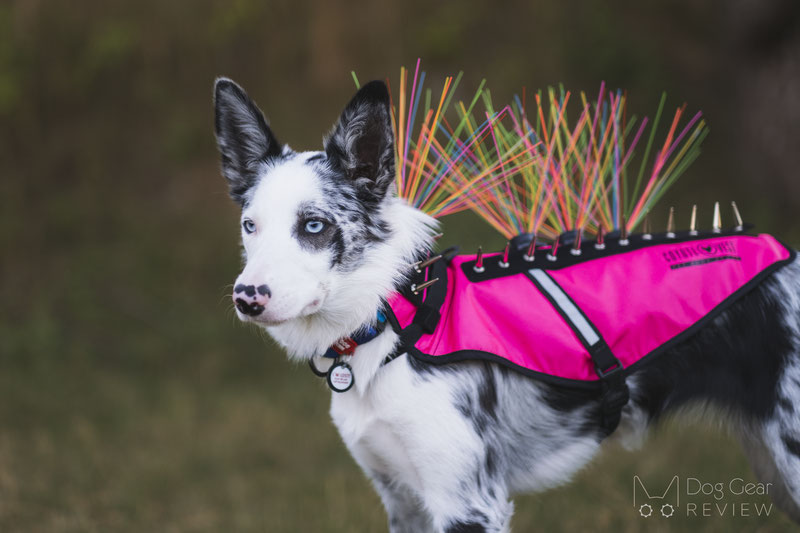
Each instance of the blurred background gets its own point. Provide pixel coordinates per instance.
(131, 399)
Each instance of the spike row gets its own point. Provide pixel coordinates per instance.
(416, 289)
(529, 255)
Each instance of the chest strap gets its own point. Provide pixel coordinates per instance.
(428, 303)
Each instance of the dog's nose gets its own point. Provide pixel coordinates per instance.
(251, 300)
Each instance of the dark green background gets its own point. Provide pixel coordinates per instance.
(131, 399)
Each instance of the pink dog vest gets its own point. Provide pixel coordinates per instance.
(577, 319)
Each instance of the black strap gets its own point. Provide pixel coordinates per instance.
(615, 396)
(605, 363)
(428, 306)
(429, 310)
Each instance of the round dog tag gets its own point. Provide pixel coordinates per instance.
(340, 377)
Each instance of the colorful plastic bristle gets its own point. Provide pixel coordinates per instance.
(536, 169)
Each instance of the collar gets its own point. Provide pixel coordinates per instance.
(348, 345)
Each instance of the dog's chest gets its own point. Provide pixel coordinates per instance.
(372, 434)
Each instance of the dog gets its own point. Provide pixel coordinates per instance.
(326, 240)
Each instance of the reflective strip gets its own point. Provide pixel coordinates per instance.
(572, 313)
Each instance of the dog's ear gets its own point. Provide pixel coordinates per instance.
(361, 144)
(245, 141)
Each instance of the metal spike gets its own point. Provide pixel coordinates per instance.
(479, 261)
(553, 255)
(716, 224)
(416, 289)
(530, 255)
(647, 235)
(504, 260)
(739, 223)
(693, 223)
(576, 248)
(623, 233)
(671, 224)
(428, 262)
(601, 243)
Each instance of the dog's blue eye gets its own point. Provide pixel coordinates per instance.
(314, 226)
(248, 225)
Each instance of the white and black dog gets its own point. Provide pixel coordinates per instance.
(326, 239)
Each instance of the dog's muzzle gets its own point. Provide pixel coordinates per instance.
(251, 300)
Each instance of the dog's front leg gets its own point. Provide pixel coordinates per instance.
(473, 509)
(403, 507)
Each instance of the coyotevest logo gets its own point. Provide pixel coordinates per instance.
(647, 502)
(688, 255)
